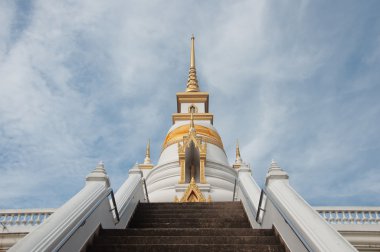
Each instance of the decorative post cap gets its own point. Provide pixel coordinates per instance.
(135, 170)
(275, 172)
(99, 174)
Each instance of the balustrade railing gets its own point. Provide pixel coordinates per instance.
(350, 215)
(23, 217)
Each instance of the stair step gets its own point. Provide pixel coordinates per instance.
(177, 215)
(190, 224)
(190, 248)
(188, 232)
(218, 226)
(194, 220)
(156, 240)
(219, 205)
(189, 211)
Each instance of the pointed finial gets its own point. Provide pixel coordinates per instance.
(238, 161)
(192, 81)
(274, 165)
(99, 174)
(238, 157)
(100, 167)
(192, 53)
(192, 127)
(147, 153)
(192, 181)
(275, 173)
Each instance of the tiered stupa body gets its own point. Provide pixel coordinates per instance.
(193, 165)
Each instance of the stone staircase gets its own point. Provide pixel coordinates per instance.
(218, 226)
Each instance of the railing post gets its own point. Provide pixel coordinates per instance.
(233, 195)
(146, 190)
(114, 207)
(259, 209)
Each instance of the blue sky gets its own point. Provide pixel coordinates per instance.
(83, 81)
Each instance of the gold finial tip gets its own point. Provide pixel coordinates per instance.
(192, 36)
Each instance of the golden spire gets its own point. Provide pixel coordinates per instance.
(238, 157)
(192, 81)
(147, 154)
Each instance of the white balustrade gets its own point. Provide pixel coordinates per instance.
(350, 215)
(23, 217)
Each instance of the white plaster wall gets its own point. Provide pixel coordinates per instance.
(162, 180)
(168, 155)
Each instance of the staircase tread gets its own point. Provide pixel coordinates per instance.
(217, 226)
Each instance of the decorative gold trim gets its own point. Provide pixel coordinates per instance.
(209, 198)
(204, 139)
(192, 106)
(185, 143)
(186, 116)
(192, 97)
(145, 166)
(193, 193)
(176, 200)
(182, 168)
(202, 171)
(177, 135)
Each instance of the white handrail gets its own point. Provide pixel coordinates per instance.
(314, 231)
(87, 208)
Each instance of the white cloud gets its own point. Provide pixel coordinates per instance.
(84, 81)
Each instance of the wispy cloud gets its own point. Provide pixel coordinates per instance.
(83, 81)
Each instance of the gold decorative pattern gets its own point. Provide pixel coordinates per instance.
(145, 166)
(202, 171)
(193, 193)
(192, 106)
(177, 135)
(185, 143)
(186, 116)
(182, 166)
(176, 200)
(204, 139)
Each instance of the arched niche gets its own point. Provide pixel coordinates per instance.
(192, 163)
(192, 159)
